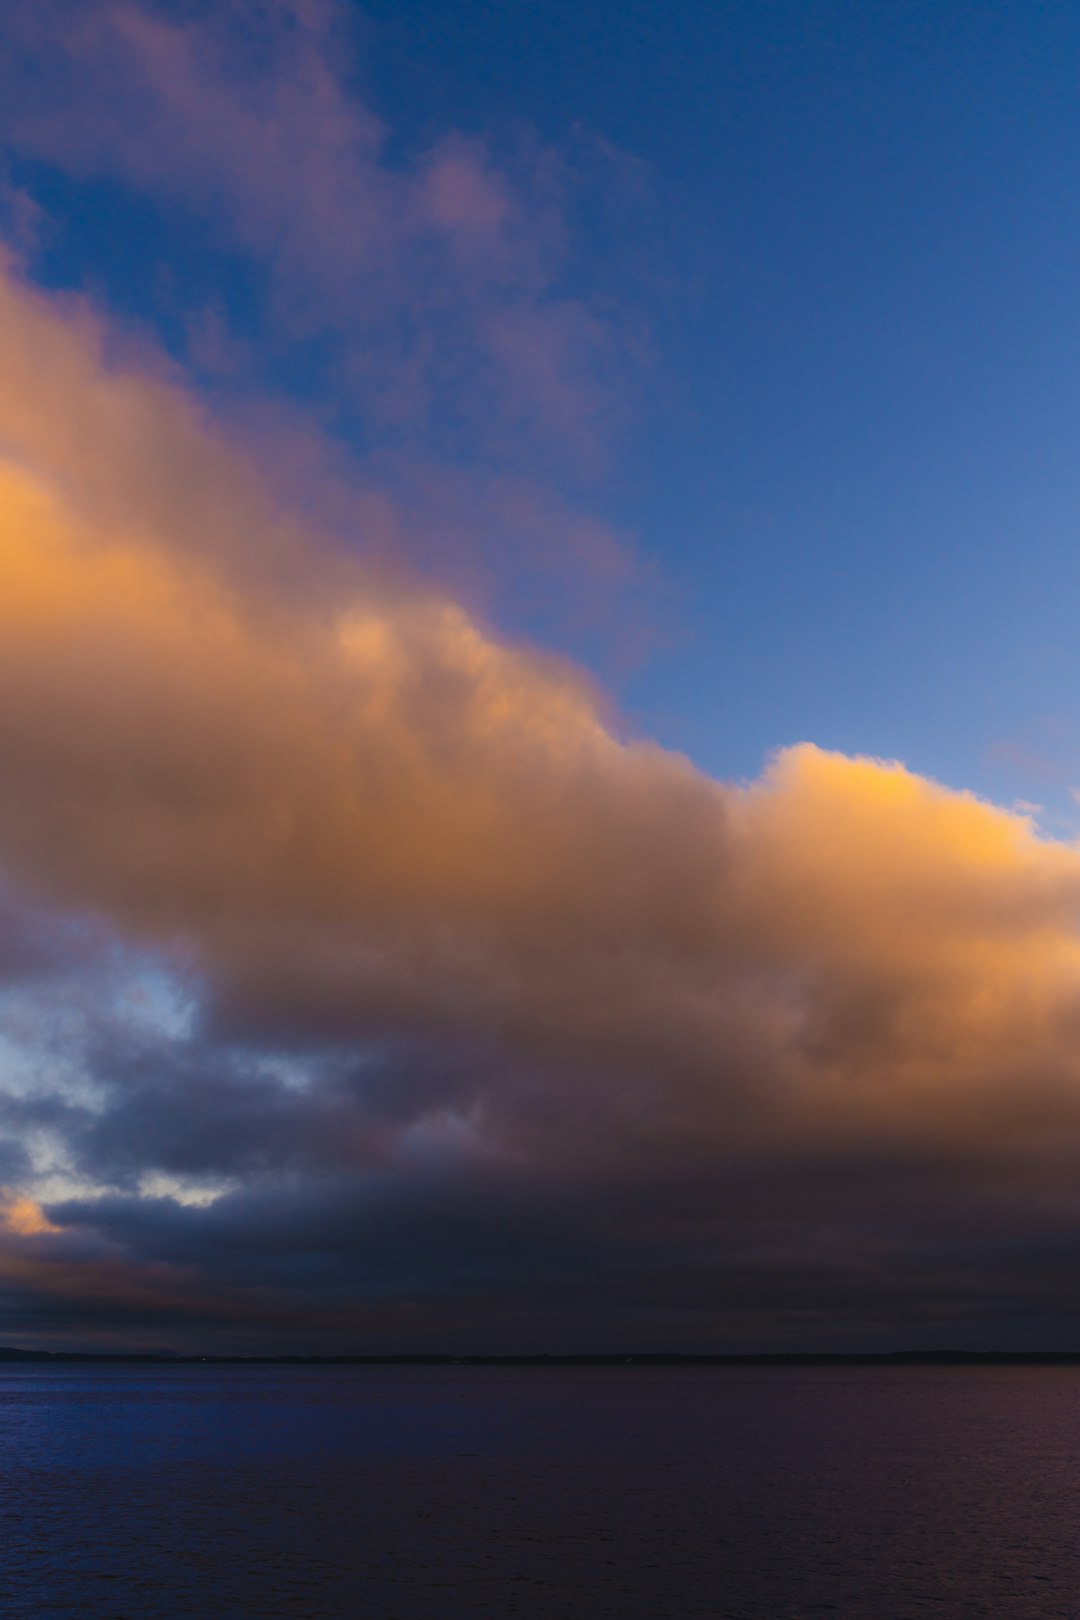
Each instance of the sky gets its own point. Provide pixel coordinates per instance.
(539, 747)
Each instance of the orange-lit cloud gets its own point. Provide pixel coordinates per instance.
(354, 815)
(23, 1217)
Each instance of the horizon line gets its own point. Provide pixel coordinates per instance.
(566, 1359)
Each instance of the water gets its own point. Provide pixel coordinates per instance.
(407, 1493)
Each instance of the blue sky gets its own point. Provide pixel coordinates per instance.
(856, 457)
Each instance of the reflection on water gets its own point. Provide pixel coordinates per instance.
(401, 1493)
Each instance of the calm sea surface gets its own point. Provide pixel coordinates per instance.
(391, 1493)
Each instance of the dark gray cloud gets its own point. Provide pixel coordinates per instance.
(351, 1219)
(790, 1256)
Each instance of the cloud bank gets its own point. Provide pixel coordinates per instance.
(364, 983)
(364, 980)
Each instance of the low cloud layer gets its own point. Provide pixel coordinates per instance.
(365, 984)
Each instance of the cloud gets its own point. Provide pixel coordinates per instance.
(296, 732)
(496, 1017)
(448, 273)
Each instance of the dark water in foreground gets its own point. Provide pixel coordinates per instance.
(400, 1493)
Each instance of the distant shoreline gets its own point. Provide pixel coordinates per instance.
(889, 1358)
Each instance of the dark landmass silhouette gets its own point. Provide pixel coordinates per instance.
(888, 1358)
